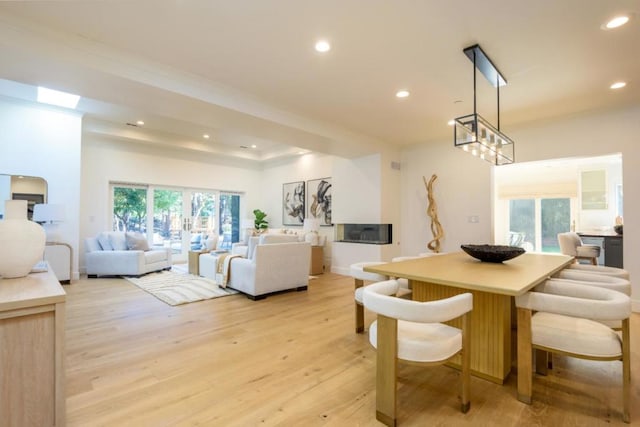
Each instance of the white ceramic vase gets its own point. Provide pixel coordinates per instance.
(21, 241)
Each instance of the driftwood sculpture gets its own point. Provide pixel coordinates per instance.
(432, 211)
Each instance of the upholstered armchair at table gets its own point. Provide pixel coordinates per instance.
(565, 318)
(571, 244)
(411, 331)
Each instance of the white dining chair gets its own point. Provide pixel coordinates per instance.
(360, 276)
(411, 331)
(565, 322)
(600, 280)
(600, 269)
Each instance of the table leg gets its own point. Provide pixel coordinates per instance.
(491, 332)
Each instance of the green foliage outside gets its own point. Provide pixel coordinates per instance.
(129, 209)
(166, 203)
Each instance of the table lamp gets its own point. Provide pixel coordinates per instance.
(49, 215)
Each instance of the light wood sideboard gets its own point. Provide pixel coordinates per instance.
(32, 322)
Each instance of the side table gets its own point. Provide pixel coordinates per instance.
(60, 263)
(317, 260)
(194, 262)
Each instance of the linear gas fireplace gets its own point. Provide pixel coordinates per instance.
(373, 234)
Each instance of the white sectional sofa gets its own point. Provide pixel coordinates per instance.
(273, 263)
(116, 253)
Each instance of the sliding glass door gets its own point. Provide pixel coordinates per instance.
(179, 218)
(535, 223)
(229, 219)
(167, 219)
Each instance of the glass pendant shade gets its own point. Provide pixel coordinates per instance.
(478, 137)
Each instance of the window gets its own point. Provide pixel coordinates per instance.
(176, 218)
(130, 208)
(535, 223)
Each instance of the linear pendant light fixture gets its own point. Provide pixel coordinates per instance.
(474, 134)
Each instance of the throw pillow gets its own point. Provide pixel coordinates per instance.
(136, 242)
(91, 244)
(211, 243)
(105, 243)
(118, 240)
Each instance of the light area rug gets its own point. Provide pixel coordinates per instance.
(175, 288)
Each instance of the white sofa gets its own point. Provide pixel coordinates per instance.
(274, 263)
(116, 253)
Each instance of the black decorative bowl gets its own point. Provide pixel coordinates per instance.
(618, 228)
(492, 253)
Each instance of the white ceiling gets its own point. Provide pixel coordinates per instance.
(245, 71)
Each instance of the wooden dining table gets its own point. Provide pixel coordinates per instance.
(493, 285)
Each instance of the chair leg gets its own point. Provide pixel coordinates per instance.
(542, 362)
(386, 370)
(359, 318)
(594, 261)
(465, 403)
(525, 378)
(359, 309)
(626, 372)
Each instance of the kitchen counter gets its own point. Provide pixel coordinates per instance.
(599, 234)
(611, 246)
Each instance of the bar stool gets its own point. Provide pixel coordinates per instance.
(359, 277)
(571, 244)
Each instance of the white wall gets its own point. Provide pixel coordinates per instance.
(105, 161)
(464, 183)
(40, 141)
(462, 194)
(303, 168)
(366, 192)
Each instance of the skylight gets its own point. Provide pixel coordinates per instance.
(55, 97)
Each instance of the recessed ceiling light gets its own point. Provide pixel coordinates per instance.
(254, 146)
(618, 85)
(616, 22)
(322, 46)
(55, 97)
(140, 123)
(451, 122)
(402, 93)
(301, 152)
(205, 136)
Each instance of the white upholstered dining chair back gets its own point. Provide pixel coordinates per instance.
(566, 318)
(411, 331)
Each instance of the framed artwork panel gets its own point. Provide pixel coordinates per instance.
(293, 203)
(319, 195)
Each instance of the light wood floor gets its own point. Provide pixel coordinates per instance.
(290, 360)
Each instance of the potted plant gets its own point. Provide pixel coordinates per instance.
(260, 223)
